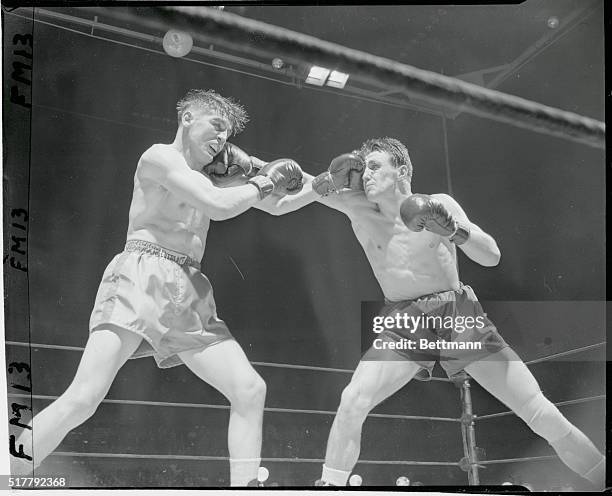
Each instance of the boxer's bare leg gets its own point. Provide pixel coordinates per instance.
(507, 378)
(105, 352)
(372, 382)
(226, 367)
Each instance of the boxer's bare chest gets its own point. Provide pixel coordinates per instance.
(160, 216)
(168, 208)
(403, 261)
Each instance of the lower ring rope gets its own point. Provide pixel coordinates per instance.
(290, 460)
(225, 458)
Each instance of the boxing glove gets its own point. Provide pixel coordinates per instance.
(345, 171)
(232, 160)
(283, 176)
(420, 212)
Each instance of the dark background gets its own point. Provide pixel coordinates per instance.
(98, 105)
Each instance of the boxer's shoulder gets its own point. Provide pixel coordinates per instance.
(350, 202)
(159, 159)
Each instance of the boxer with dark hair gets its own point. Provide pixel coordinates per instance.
(153, 299)
(411, 243)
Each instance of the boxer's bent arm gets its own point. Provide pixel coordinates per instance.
(280, 205)
(480, 246)
(168, 168)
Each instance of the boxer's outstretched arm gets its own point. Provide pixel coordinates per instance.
(329, 188)
(280, 205)
(480, 246)
(167, 167)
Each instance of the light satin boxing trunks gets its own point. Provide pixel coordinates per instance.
(162, 296)
(453, 329)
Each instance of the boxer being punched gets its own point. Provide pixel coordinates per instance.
(411, 243)
(153, 299)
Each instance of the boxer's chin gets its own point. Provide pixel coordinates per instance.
(370, 193)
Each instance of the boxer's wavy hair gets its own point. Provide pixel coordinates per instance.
(395, 148)
(228, 108)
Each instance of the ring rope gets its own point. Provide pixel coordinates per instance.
(141, 37)
(355, 92)
(225, 458)
(566, 353)
(258, 38)
(322, 369)
(560, 403)
(260, 364)
(515, 460)
(290, 460)
(226, 407)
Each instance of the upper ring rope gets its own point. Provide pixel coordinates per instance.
(261, 39)
(566, 353)
(322, 369)
(257, 364)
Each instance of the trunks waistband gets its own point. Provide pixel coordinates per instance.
(462, 288)
(142, 246)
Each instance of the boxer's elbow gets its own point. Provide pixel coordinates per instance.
(492, 258)
(274, 210)
(488, 251)
(218, 214)
(282, 210)
(223, 211)
(280, 207)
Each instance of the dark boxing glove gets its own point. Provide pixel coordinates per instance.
(345, 171)
(424, 212)
(283, 176)
(231, 161)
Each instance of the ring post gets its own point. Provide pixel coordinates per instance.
(469, 462)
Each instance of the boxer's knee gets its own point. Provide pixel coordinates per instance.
(355, 404)
(250, 394)
(544, 418)
(79, 404)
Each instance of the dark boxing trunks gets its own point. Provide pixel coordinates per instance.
(450, 327)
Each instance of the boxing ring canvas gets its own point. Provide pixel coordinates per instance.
(87, 90)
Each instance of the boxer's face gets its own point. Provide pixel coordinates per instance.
(205, 133)
(380, 175)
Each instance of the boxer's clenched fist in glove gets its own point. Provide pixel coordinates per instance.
(420, 212)
(283, 176)
(231, 161)
(345, 171)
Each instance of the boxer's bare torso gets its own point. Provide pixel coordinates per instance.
(159, 216)
(406, 264)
